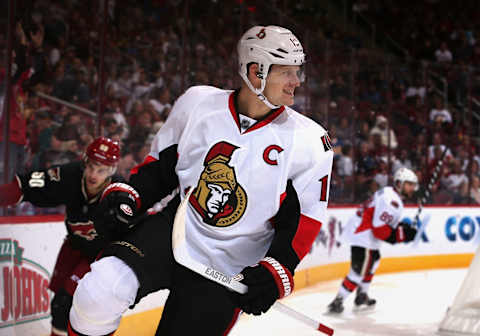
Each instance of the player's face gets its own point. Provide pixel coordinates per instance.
(281, 83)
(218, 197)
(95, 175)
(409, 188)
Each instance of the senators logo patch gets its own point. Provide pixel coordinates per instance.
(218, 197)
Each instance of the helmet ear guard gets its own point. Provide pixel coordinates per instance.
(266, 46)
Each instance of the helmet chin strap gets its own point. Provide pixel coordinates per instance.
(259, 92)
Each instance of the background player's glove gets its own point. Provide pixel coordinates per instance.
(409, 231)
(404, 232)
(118, 207)
(267, 281)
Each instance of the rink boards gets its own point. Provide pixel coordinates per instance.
(28, 249)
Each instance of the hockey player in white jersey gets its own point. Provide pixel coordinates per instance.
(260, 174)
(377, 221)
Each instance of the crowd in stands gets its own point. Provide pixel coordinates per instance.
(381, 113)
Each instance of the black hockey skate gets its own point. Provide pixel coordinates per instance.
(362, 300)
(336, 306)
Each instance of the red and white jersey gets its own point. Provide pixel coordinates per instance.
(239, 168)
(370, 225)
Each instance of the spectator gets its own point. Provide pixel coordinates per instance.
(344, 130)
(338, 88)
(126, 163)
(115, 112)
(142, 128)
(44, 129)
(443, 54)
(161, 102)
(456, 182)
(439, 113)
(475, 190)
(381, 176)
(440, 195)
(28, 72)
(417, 89)
(337, 142)
(344, 162)
(437, 147)
(363, 133)
(381, 128)
(402, 161)
(365, 164)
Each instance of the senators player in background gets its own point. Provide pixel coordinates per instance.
(78, 186)
(378, 221)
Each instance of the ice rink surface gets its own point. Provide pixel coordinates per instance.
(408, 304)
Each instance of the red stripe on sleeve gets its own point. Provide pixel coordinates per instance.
(382, 232)
(147, 160)
(307, 231)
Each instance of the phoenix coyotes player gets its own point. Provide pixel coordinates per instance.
(78, 186)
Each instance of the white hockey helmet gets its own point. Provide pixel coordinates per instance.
(405, 175)
(267, 45)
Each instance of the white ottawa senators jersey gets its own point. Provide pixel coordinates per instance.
(369, 223)
(240, 172)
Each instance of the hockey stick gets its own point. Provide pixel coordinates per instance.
(182, 256)
(425, 197)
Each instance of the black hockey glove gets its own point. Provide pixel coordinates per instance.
(267, 281)
(117, 210)
(402, 233)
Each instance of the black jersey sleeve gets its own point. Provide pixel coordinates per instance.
(286, 223)
(50, 187)
(155, 179)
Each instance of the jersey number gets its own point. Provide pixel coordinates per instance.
(323, 194)
(386, 217)
(37, 180)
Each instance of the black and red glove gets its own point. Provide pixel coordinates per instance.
(403, 233)
(118, 207)
(267, 281)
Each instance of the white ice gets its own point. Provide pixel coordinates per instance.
(408, 304)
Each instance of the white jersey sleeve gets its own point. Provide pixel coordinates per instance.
(312, 183)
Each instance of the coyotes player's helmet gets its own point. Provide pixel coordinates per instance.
(103, 150)
(403, 175)
(266, 46)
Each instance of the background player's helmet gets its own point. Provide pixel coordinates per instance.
(405, 175)
(267, 45)
(104, 151)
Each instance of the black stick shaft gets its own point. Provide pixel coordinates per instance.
(426, 193)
